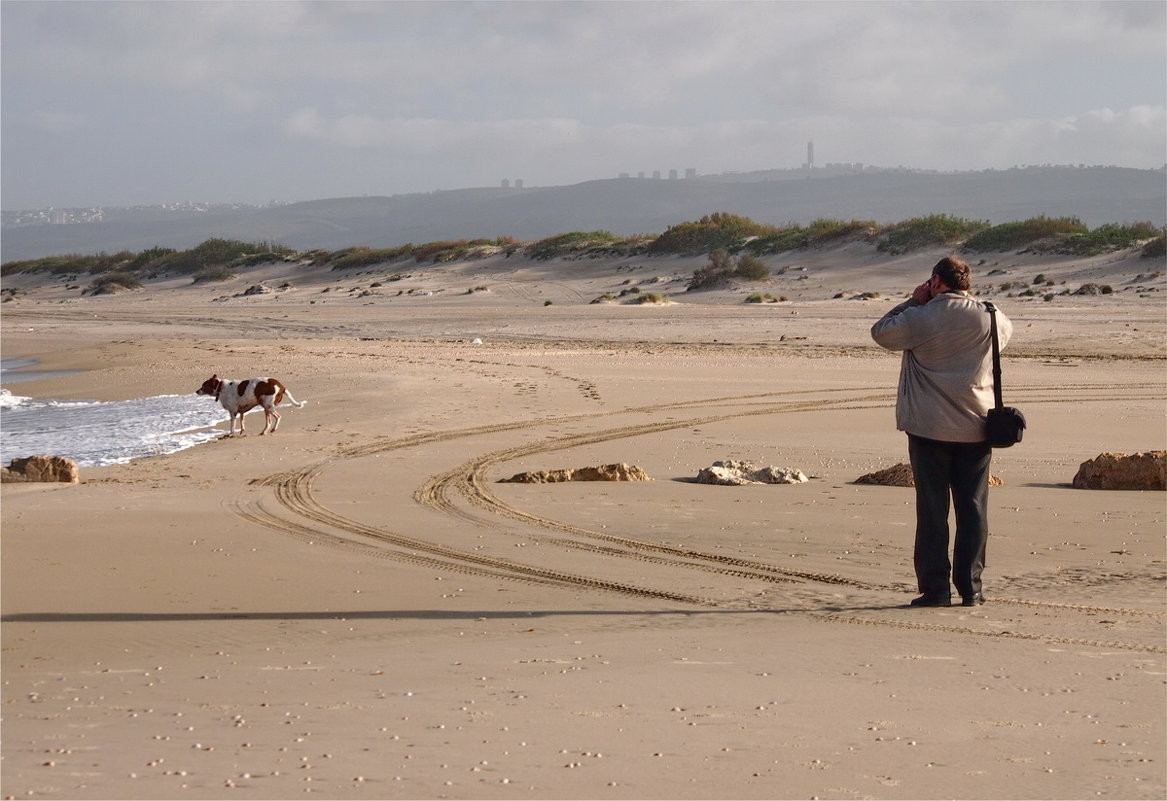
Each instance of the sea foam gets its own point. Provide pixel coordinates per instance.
(96, 433)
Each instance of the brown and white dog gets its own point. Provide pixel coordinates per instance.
(238, 397)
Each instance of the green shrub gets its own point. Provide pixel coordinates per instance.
(719, 231)
(1156, 248)
(722, 269)
(213, 273)
(221, 251)
(442, 252)
(210, 252)
(429, 250)
(787, 239)
(150, 261)
(315, 257)
(124, 261)
(717, 273)
(921, 232)
(577, 243)
(252, 259)
(1103, 239)
(54, 265)
(114, 281)
(153, 261)
(105, 262)
(751, 268)
(352, 258)
(74, 264)
(1017, 235)
(825, 229)
(819, 233)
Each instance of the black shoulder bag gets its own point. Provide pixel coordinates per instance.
(1004, 425)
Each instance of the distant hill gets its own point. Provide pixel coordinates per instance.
(627, 206)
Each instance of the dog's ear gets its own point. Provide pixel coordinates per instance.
(215, 376)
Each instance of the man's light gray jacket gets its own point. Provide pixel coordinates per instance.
(946, 376)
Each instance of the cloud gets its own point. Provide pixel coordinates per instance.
(564, 91)
(1134, 136)
(1100, 136)
(1114, 137)
(56, 122)
(634, 60)
(421, 136)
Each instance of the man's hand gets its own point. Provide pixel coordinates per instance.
(923, 293)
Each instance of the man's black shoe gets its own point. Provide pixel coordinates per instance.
(972, 600)
(932, 600)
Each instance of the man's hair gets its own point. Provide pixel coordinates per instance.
(953, 272)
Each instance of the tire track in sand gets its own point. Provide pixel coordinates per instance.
(294, 493)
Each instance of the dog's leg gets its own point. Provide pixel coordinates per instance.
(270, 417)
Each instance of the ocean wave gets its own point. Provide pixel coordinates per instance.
(8, 400)
(97, 433)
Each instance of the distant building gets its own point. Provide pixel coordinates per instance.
(690, 172)
(809, 156)
(506, 183)
(518, 183)
(672, 175)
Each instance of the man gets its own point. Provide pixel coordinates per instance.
(945, 390)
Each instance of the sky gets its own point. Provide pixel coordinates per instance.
(139, 103)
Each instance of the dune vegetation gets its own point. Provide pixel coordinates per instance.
(735, 245)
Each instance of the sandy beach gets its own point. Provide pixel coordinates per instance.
(356, 607)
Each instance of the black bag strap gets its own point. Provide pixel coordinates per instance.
(992, 310)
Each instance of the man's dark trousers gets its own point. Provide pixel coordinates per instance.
(963, 469)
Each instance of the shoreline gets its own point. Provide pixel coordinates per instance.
(21, 373)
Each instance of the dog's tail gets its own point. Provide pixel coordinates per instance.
(293, 401)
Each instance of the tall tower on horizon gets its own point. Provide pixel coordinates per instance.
(810, 155)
